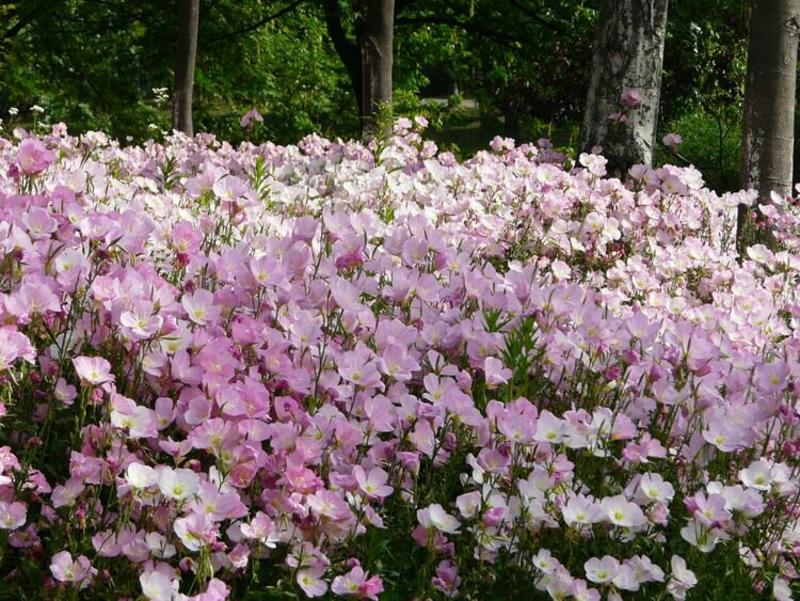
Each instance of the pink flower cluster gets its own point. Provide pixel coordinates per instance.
(338, 369)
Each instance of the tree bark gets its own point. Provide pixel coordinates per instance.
(377, 57)
(769, 103)
(349, 51)
(188, 19)
(628, 56)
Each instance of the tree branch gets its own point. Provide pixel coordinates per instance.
(433, 20)
(258, 24)
(502, 38)
(527, 11)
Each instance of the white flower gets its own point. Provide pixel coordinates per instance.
(602, 570)
(681, 573)
(178, 484)
(758, 475)
(469, 503)
(157, 586)
(140, 422)
(594, 163)
(781, 590)
(697, 535)
(544, 561)
(159, 546)
(434, 516)
(582, 511)
(139, 475)
(621, 512)
(549, 428)
(654, 488)
(13, 111)
(190, 539)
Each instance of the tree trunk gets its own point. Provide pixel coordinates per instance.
(769, 104)
(188, 18)
(628, 57)
(348, 51)
(377, 57)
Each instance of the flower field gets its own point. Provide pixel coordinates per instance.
(374, 372)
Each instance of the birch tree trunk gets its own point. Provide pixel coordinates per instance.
(628, 57)
(377, 58)
(769, 103)
(188, 19)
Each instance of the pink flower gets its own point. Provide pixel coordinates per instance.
(266, 270)
(373, 484)
(250, 116)
(33, 298)
(359, 368)
(14, 345)
(40, 223)
(356, 583)
(195, 531)
(66, 494)
(781, 590)
(631, 98)
(672, 141)
(216, 590)
(447, 579)
(310, 580)
(654, 489)
(33, 156)
(495, 372)
(581, 511)
(64, 392)
(140, 321)
(140, 476)
(772, 377)
(200, 307)
(12, 515)
(708, 510)
(65, 569)
(328, 505)
(262, 529)
(94, 370)
(396, 362)
(139, 421)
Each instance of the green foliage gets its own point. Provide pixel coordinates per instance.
(712, 143)
(298, 87)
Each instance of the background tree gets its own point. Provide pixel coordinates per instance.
(626, 70)
(377, 54)
(769, 106)
(186, 57)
